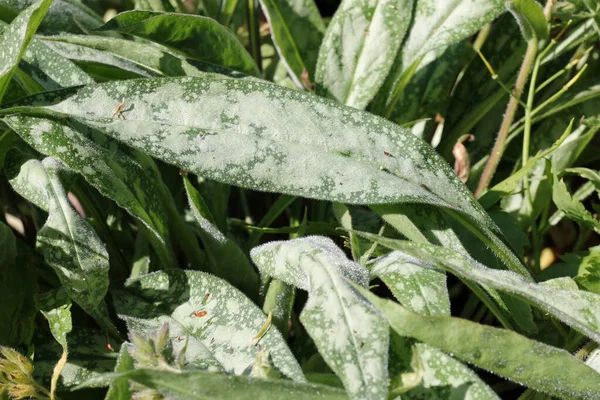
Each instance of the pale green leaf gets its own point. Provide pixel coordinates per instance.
(68, 242)
(216, 320)
(574, 308)
(359, 48)
(196, 37)
(48, 68)
(297, 31)
(348, 156)
(16, 37)
(503, 352)
(421, 290)
(202, 385)
(350, 335)
(422, 371)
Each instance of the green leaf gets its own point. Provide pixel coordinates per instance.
(16, 37)
(228, 260)
(421, 290)
(422, 371)
(434, 25)
(427, 93)
(359, 47)
(573, 308)
(572, 208)
(217, 320)
(203, 385)
(141, 58)
(67, 241)
(509, 185)
(56, 307)
(62, 16)
(119, 388)
(89, 357)
(18, 287)
(297, 32)
(506, 353)
(350, 336)
(354, 157)
(530, 17)
(194, 36)
(115, 170)
(48, 68)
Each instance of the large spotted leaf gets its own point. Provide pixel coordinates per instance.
(576, 308)
(217, 322)
(359, 48)
(261, 136)
(68, 242)
(352, 337)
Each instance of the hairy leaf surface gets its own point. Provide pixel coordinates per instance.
(350, 335)
(503, 352)
(575, 308)
(248, 133)
(216, 320)
(359, 48)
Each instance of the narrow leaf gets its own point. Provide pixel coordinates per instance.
(506, 353)
(574, 308)
(350, 336)
(16, 37)
(297, 31)
(434, 25)
(359, 48)
(196, 37)
(218, 386)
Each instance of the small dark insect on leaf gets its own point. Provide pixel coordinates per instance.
(212, 340)
(385, 153)
(424, 187)
(200, 314)
(183, 172)
(179, 338)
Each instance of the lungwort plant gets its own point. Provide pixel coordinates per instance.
(256, 199)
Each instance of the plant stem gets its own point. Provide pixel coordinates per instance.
(253, 33)
(490, 167)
